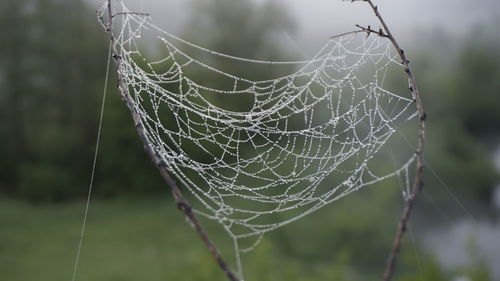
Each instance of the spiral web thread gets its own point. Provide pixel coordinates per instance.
(304, 140)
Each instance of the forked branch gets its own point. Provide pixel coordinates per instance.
(418, 181)
(182, 204)
(368, 30)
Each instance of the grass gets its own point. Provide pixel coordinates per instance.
(145, 240)
(148, 239)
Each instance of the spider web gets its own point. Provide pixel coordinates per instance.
(288, 146)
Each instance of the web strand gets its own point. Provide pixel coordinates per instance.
(94, 162)
(301, 140)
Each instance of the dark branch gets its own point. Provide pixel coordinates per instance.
(418, 181)
(180, 200)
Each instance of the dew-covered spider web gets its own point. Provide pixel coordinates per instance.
(258, 154)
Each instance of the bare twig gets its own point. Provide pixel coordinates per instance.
(368, 30)
(347, 33)
(182, 204)
(130, 13)
(418, 181)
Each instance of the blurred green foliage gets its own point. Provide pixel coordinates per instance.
(52, 63)
(461, 93)
(259, 29)
(125, 241)
(52, 67)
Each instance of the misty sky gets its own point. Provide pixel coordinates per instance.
(323, 18)
(319, 19)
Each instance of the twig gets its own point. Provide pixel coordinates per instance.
(130, 13)
(418, 181)
(346, 33)
(366, 30)
(182, 204)
(369, 31)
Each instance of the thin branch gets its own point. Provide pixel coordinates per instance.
(182, 204)
(130, 13)
(366, 30)
(369, 31)
(418, 181)
(347, 33)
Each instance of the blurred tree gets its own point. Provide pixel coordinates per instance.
(47, 103)
(461, 99)
(52, 63)
(241, 28)
(477, 85)
(51, 77)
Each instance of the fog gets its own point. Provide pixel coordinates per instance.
(467, 242)
(316, 20)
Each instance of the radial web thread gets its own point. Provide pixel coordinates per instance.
(291, 145)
